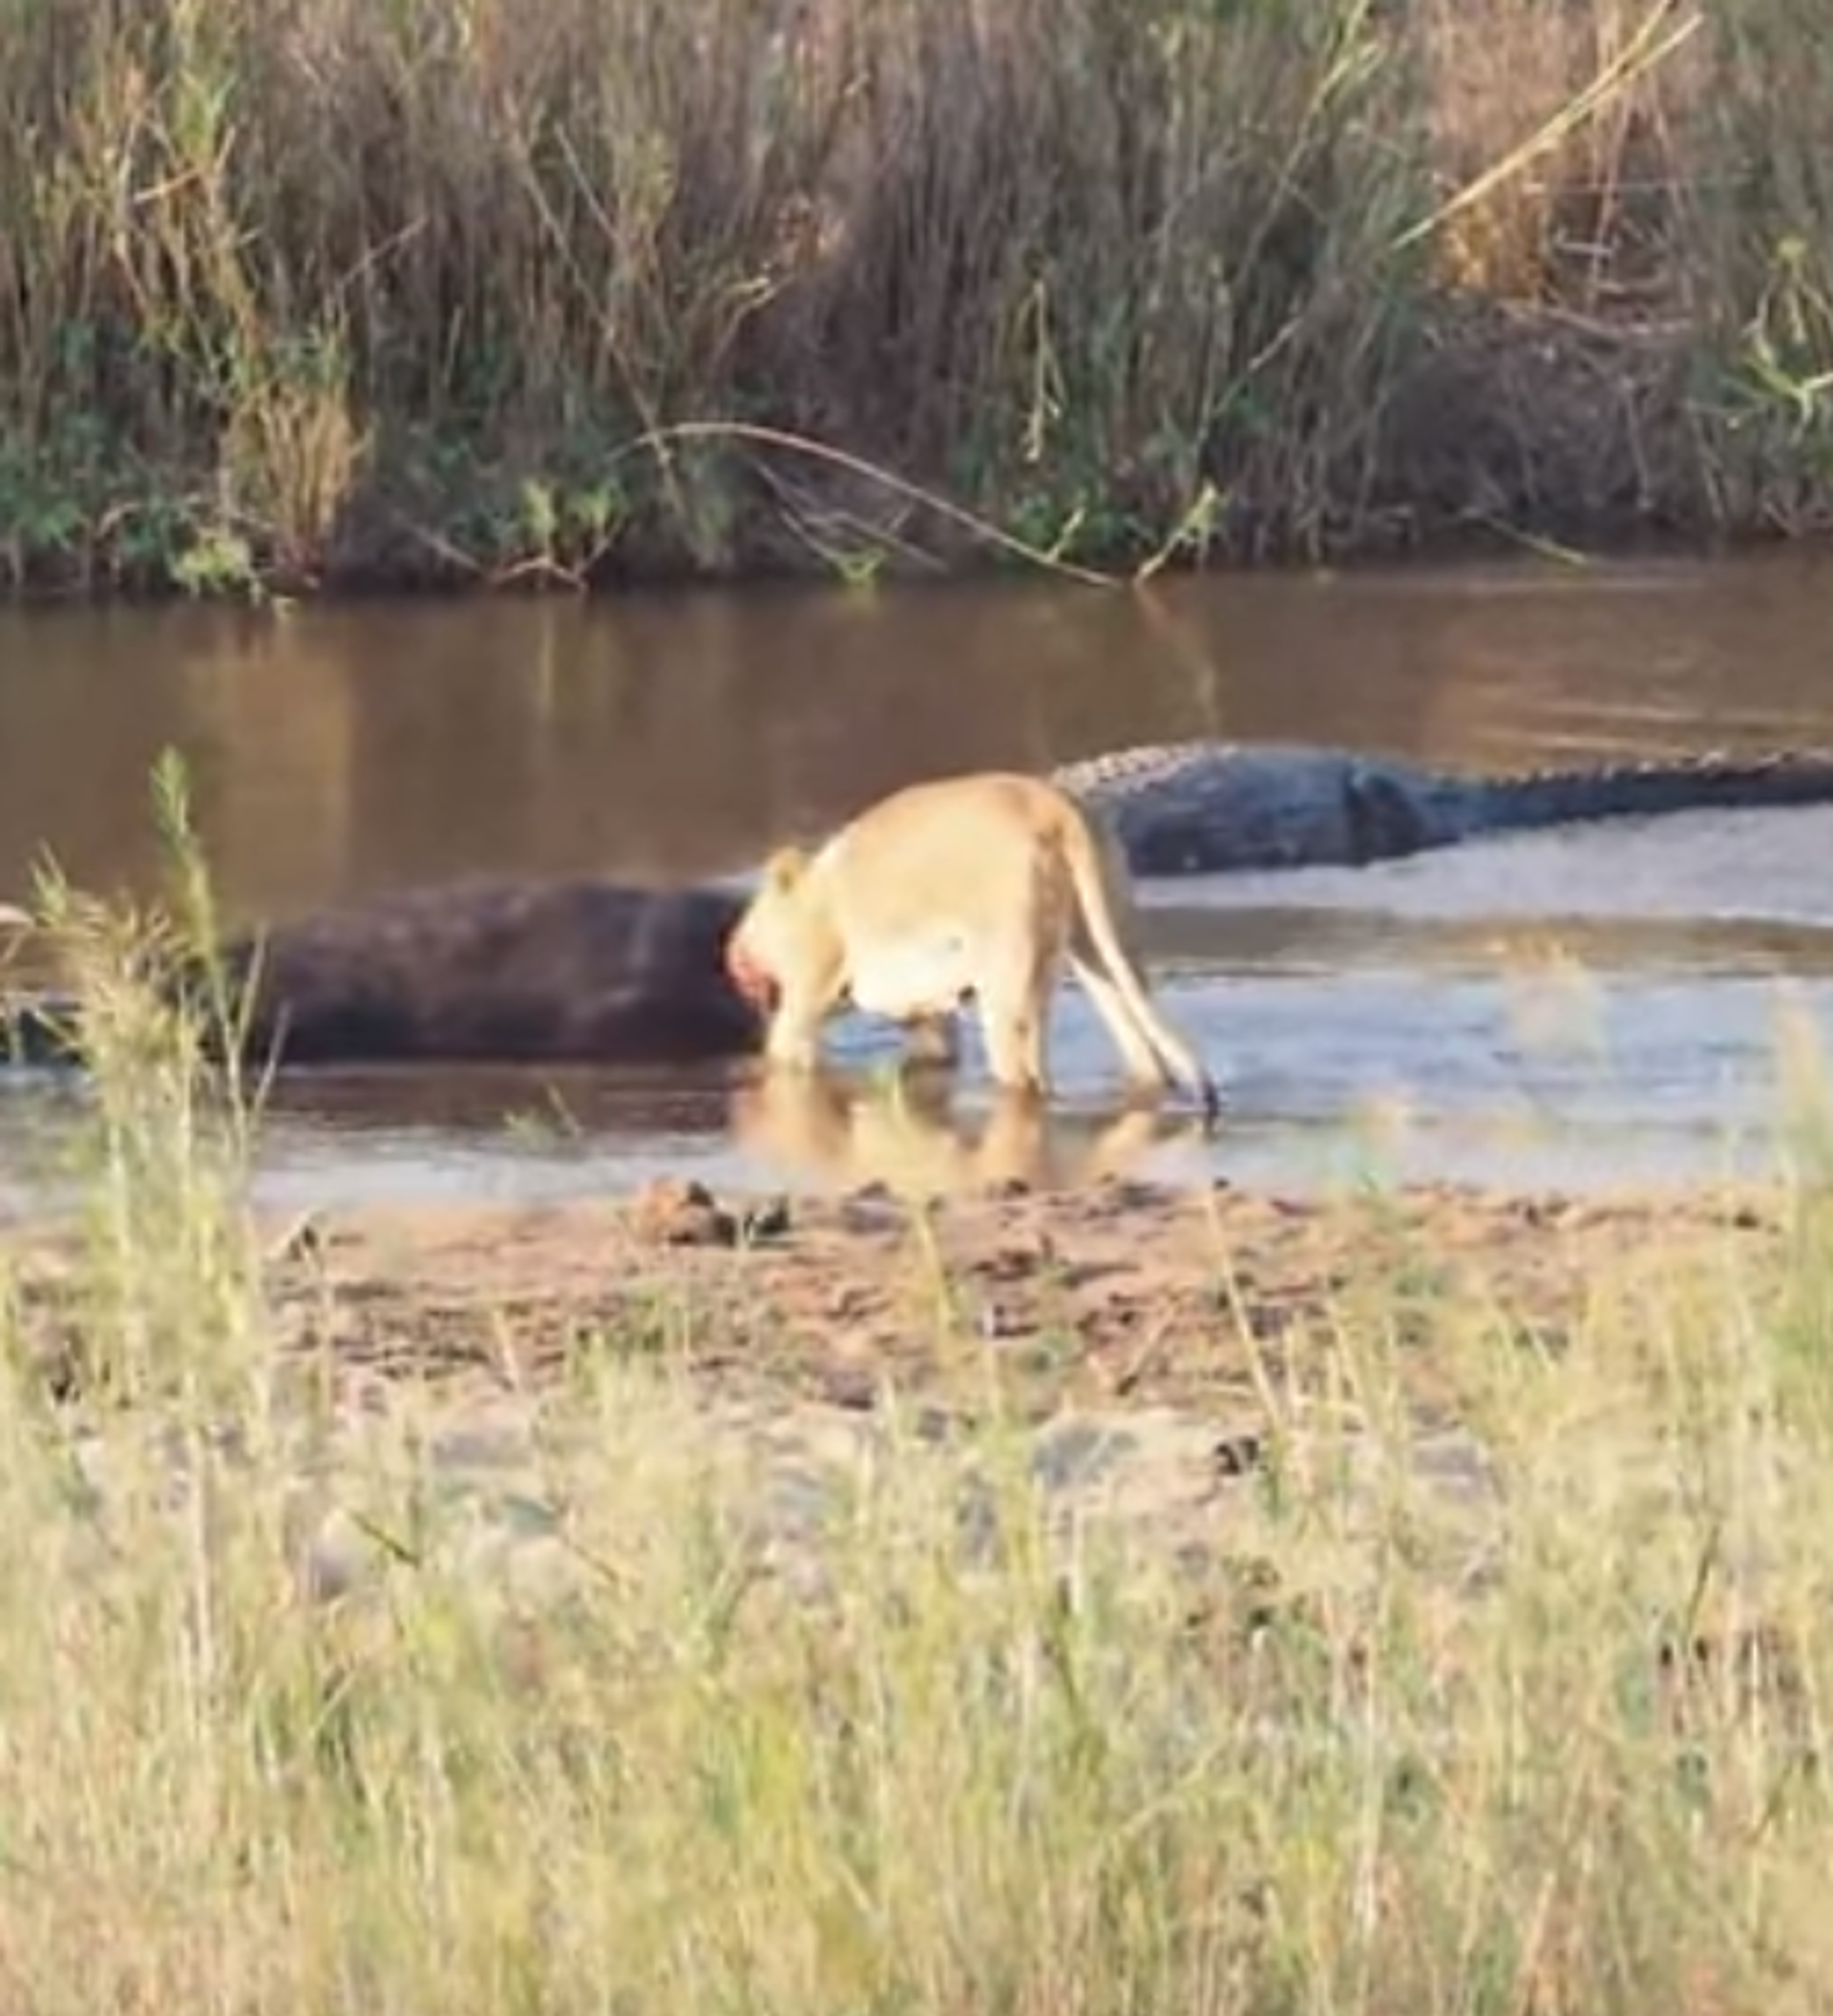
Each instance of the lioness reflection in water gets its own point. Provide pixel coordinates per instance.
(854, 1127)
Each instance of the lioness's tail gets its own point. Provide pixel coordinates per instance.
(1088, 871)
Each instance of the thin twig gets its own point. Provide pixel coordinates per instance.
(774, 437)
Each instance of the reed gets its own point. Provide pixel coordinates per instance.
(319, 290)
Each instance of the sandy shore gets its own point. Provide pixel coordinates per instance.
(1146, 1342)
(1115, 1293)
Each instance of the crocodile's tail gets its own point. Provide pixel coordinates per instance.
(1678, 784)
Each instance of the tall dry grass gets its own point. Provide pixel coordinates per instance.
(320, 285)
(1555, 1743)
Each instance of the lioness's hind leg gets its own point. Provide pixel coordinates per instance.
(1139, 1055)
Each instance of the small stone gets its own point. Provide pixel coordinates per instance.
(766, 1221)
(1239, 1455)
(671, 1212)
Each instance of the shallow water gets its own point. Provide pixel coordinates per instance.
(1600, 1004)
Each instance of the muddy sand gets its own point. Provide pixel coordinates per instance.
(1120, 1292)
(1144, 1338)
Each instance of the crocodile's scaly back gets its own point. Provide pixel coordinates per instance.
(1205, 808)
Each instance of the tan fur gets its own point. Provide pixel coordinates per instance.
(979, 886)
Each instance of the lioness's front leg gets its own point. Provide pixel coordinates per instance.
(792, 1040)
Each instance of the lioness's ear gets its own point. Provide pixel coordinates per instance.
(786, 867)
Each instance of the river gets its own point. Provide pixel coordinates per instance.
(1597, 1004)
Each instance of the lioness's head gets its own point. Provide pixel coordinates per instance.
(763, 945)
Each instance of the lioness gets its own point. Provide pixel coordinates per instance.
(975, 885)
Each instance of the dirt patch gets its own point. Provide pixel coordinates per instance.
(1116, 1297)
(1119, 1294)
(1159, 1347)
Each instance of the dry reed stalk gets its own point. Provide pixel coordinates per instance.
(1121, 279)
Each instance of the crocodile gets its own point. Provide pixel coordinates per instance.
(502, 971)
(1207, 808)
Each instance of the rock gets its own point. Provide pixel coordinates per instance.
(671, 1211)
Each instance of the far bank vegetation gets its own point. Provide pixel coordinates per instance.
(321, 290)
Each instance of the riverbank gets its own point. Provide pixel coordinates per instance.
(860, 1583)
(1078, 1596)
(312, 301)
(1108, 1293)
(1160, 1357)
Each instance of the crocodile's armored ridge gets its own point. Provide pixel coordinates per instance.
(1205, 808)
(490, 971)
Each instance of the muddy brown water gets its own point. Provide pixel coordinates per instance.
(1610, 1002)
